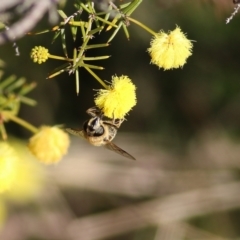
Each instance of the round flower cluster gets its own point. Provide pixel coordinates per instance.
(170, 50)
(39, 54)
(27, 175)
(49, 144)
(119, 99)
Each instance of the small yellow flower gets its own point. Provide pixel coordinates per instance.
(170, 50)
(39, 54)
(119, 99)
(49, 144)
(8, 160)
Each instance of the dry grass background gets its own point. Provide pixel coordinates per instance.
(95, 194)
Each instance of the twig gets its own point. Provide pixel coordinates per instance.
(236, 9)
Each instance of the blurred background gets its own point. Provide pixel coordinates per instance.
(184, 133)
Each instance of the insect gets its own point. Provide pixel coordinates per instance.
(100, 132)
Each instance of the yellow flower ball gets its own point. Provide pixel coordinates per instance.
(49, 144)
(39, 54)
(8, 160)
(29, 174)
(171, 50)
(119, 99)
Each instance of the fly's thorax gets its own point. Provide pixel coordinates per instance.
(93, 127)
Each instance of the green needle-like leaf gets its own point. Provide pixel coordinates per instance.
(63, 39)
(92, 9)
(108, 13)
(111, 24)
(27, 88)
(43, 31)
(92, 66)
(92, 32)
(115, 32)
(96, 77)
(131, 7)
(77, 72)
(28, 101)
(83, 31)
(77, 82)
(85, 8)
(62, 14)
(57, 33)
(126, 31)
(114, 21)
(7, 81)
(74, 32)
(63, 68)
(78, 23)
(97, 45)
(95, 58)
(15, 85)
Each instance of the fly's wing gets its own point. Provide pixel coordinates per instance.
(75, 132)
(113, 147)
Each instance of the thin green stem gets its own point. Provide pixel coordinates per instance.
(77, 23)
(82, 49)
(60, 58)
(107, 22)
(142, 25)
(20, 121)
(90, 46)
(95, 58)
(92, 66)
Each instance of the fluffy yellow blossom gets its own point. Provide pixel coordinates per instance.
(8, 160)
(49, 144)
(39, 54)
(119, 99)
(170, 50)
(29, 175)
